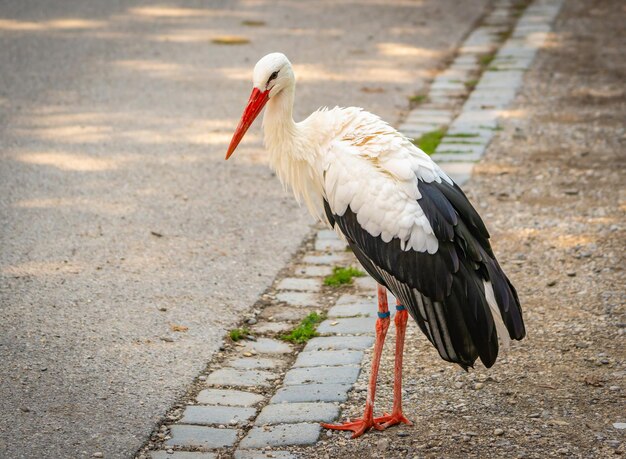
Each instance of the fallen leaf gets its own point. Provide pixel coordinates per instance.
(372, 90)
(179, 328)
(230, 40)
(252, 23)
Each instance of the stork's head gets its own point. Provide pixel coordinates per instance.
(271, 75)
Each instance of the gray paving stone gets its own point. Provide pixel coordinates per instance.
(450, 140)
(430, 112)
(333, 259)
(298, 298)
(368, 300)
(241, 378)
(327, 234)
(201, 436)
(447, 86)
(524, 29)
(452, 73)
(366, 283)
(182, 455)
(282, 313)
(294, 283)
(476, 127)
(348, 326)
(480, 36)
(501, 79)
(322, 375)
(314, 270)
(323, 245)
(511, 63)
(290, 413)
(421, 126)
(268, 346)
(443, 78)
(312, 393)
(483, 135)
(366, 308)
(477, 140)
(467, 67)
(514, 49)
(415, 131)
(228, 397)
(482, 96)
(459, 171)
(445, 99)
(453, 156)
(272, 327)
(208, 414)
(450, 93)
(252, 363)
(328, 358)
(478, 117)
(282, 435)
(499, 85)
(461, 148)
(349, 298)
(418, 118)
(465, 59)
(488, 104)
(339, 342)
(263, 454)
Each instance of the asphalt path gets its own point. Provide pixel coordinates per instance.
(127, 245)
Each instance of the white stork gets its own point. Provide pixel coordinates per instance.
(407, 222)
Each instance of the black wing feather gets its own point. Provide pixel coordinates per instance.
(444, 291)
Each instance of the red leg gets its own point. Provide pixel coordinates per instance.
(396, 415)
(360, 426)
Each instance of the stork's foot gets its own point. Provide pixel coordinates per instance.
(358, 426)
(388, 420)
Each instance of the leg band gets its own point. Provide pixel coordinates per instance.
(400, 307)
(383, 315)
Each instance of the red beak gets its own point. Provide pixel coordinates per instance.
(256, 103)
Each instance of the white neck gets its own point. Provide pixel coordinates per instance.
(279, 128)
(292, 156)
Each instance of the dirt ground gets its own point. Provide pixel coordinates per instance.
(551, 190)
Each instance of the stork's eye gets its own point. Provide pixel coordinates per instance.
(273, 76)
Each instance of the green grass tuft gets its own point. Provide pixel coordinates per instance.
(462, 135)
(486, 59)
(428, 142)
(305, 330)
(238, 333)
(341, 276)
(417, 99)
(471, 84)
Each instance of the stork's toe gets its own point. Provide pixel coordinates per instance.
(388, 420)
